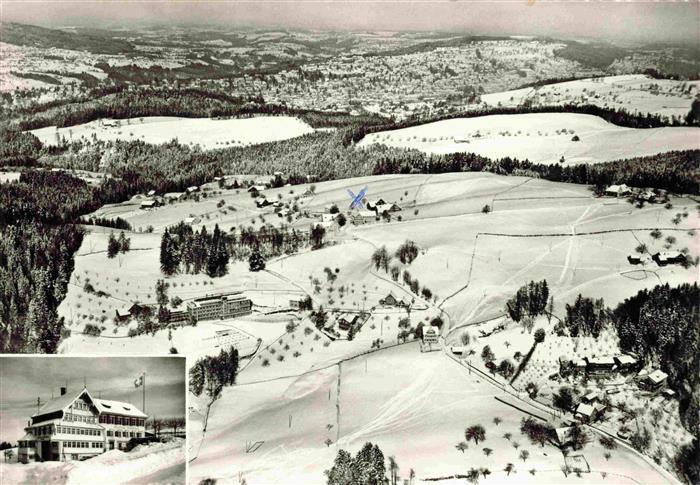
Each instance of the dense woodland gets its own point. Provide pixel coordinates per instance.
(211, 373)
(185, 250)
(36, 261)
(662, 325)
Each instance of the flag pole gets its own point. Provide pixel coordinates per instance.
(144, 392)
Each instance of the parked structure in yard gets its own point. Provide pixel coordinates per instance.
(228, 305)
(76, 426)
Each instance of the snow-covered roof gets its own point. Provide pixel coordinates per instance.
(591, 396)
(563, 434)
(600, 360)
(61, 402)
(365, 214)
(123, 312)
(585, 409)
(117, 407)
(657, 376)
(626, 359)
(669, 255)
(28, 437)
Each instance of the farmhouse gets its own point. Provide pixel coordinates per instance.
(149, 204)
(586, 412)
(374, 203)
(228, 305)
(150, 193)
(191, 189)
(174, 196)
(634, 258)
(325, 225)
(590, 398)
(598, 365)
(346, 320)
(625, 362)
(262, 201)
(363, 217)
(191, 220)
(391, 300)
(328, 217)
(256, 188)
(654, 380)
(122, 314)
(76, 426)
(382, 208)
(668, 257)
(618, 190)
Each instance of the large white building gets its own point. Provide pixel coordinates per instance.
(76, 426)
(229, 305)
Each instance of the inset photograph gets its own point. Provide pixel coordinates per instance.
(92, 419)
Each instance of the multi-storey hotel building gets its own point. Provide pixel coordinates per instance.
(220, 306)
(77, 426)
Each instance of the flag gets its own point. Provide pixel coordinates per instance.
(138, 382)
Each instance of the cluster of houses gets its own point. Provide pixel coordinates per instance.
(591, 406)
(662, 258)
(375, 209)
(153, 200)
(598, 364)
(210, 307)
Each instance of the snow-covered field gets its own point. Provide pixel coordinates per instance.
(205, 132)
(160, 463)
(414, 405)
(472, 261)
(633, 93)
(539, 137)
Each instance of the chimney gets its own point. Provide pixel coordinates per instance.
(63, 391)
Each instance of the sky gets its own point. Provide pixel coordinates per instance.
(23, 379)
(631, 21)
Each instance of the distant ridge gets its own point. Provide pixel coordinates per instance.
(90, 40)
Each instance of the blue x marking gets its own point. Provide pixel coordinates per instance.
(357, 199)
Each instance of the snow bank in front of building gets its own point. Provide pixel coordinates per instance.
(141, 461)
